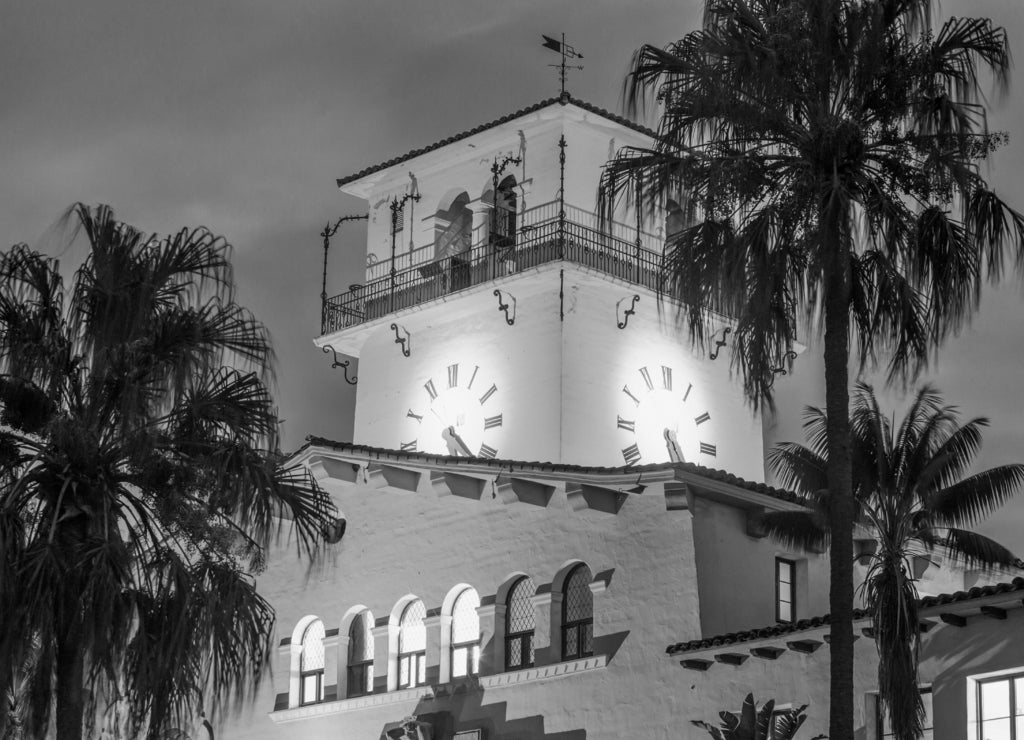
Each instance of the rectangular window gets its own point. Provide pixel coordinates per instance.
(885, 728)
(519, 651)
(1000, 705)
(466, 660)
(312, 687)
(360, 678)
(412, 670)
(785, 590)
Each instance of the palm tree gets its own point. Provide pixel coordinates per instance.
(140, 483)
(754, 723)
(829, 155)
(911, 494)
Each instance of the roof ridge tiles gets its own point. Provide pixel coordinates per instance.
(563, 100)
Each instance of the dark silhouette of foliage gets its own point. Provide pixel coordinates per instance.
(753, 723)
(828, 154)
(140, 483)
(913, 495)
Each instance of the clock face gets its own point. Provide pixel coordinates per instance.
(458, 414)
(659, 422)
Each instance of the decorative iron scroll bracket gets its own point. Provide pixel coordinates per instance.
(405, 341)
(719, 343)
(628, 312)
(788, 356)
(502, 306)
(343, 365)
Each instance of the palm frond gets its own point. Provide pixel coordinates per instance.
(977, 551)
(972, 499)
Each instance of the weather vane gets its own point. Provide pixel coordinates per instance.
(567, 52)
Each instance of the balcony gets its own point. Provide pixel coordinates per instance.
(542, 236)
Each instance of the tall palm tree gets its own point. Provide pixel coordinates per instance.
(829, 154)
(140, 482)
(911, 494)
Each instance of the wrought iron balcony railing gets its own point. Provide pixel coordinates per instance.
(542, 237)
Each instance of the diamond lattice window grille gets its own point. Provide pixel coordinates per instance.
(520, 616)
(412, 635)
(312, 657)
(579, 600)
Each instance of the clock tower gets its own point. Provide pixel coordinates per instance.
(500, 318)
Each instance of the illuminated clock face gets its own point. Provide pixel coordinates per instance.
(458, 414)
(659, 422)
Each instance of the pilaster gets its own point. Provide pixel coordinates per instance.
(547, 608)
(384, 677)
(492, 638)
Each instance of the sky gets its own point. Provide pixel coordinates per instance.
(240, 115)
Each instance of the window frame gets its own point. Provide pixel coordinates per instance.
(581, 625)
(792, 602)
(318, 673)
(526, 650)
(360, 672)
(416, 660)
(472, 647)
(1011, 680)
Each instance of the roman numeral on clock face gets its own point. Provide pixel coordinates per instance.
(490, 392)
(409, 446)
(625, 389)
(472, 377)
(666, 377)
(413, 415)
(687, 394)
(628, 424)
(431, 390)
(492, 421)
(631, 454)
(702, 418)
(488, 452)
(453, 375)
(706, 449)
(646, 375)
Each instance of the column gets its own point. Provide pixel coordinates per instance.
(439, 658)
(547, 636)
(492, 638)
(384, 678)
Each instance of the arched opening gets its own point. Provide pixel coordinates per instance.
(577, 614)
(412, 646)
(360, 655)
(311, 664)
(465, 634)
(520, 625)
(453, 227)
(674, 223)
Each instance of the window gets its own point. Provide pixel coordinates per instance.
(785, 590)
(1001, 708)
(885, 729)
(465, 635)
(311, 664)
(520, 623)
(412, 646)
(360, 655)
(577, 615)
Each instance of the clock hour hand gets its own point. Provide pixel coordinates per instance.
(675, 452)
(456, 445)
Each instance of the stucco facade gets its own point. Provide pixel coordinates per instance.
(526, 406)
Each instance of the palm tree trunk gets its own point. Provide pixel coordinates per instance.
(839, 475)
(70, 686)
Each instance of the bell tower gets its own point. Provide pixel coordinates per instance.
(500, 318)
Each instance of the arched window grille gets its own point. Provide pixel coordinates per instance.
(311, 664)
(360, 656)
(412, 646)
(505, 211)
(465, 634)
(520, 624)
(577, 615)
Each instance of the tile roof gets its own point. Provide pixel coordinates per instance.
(776, 630)
(504, 119)
(550, 467)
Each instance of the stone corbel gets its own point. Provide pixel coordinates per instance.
(582, 496)
(523, 490)
(453, 484)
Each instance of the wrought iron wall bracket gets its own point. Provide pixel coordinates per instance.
(788, 356)
(628, 312)
(719, 343)
(405, 341)
(502, 306)
(343, 365)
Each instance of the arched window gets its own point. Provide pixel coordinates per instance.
(520, 623)
(466, 634)
(412, 646)
(674, 222)
(577, 614)
(311, 664)
(453, 227)
(360, 655)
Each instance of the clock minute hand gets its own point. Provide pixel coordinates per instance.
(455, 443)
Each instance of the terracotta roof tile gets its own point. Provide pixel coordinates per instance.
(504, 119)
(775, 630)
